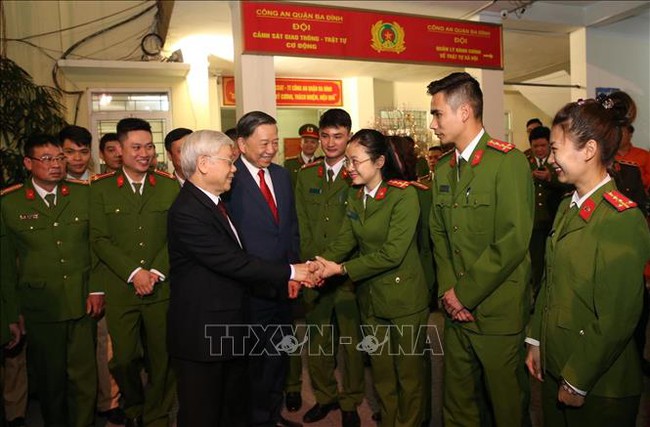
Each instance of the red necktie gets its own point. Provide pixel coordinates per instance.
(221, 207)
(266, 192)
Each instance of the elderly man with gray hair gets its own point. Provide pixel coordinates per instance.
(209, 274)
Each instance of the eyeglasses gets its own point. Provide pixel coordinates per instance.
(354, 163)
(48, 160)
(225, 159)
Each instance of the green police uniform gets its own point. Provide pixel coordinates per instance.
(333, 307)
(547, 198)
(127, 231)
(391, 292)
(588, 307)
(294, 164)
(50, 246)
(8, 303)
(480, 227)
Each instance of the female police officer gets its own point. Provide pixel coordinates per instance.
(381, 223)
(590, 299)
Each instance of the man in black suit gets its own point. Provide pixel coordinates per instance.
(263, 210)
(210, 276)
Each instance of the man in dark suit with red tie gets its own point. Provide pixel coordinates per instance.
(210, 280)
(262, 207)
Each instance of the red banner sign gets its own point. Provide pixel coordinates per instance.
(291, 29)
(295, 92)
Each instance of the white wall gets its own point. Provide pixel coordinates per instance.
(618, 56)
(521, 110)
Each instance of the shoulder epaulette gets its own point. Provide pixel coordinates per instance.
(619, 201)
(78, 181)
(445, 154)
(629, 163)
(310, 165)
(290, 158)
(10, 189)
(502, 146)
(101, 176)
(419, 185)
(398, 183)
(165, 174)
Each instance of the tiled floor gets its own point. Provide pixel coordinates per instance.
(365, 411)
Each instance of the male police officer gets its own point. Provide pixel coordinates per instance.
(129, 236)
(308, 146)
(45, 223)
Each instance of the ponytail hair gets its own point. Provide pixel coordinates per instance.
(601, 119)
(377, 145)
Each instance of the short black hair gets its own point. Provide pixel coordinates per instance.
(540, 132)
(175, 135)
(77, 134)
(129, 124)
(533, 121)
(435, 148)
(459, 87)
(111, 136)
(232, 134)
(252, 120)
(39, 140)
(335, 117)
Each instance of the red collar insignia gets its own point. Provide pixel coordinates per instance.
(381, 193)
(65, 190)
(344, 173)
(478, 156)
(360, 193)
(587, 209)
(152, 180)
(452, 160)
(30, 194)
(320, 171)
(120, 181)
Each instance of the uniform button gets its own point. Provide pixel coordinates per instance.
(455, 228)
(65, 276)
(140, 228)
(62, 260)
(539, 204)
(397, 280)
(76, 218)
(582, 332)
(56, 224)
(456, 251)
(461, 273)
(117, 210)
(141, 261)
(58, 242)
(455, 205)
(141, 244)
(31, 228)
(327, 219)
(539, 194)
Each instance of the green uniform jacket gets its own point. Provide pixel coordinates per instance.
(547, 194)
(387, 271)
(591, 298)
(425, 246)
(128, 231)
(321, 210)
(50, 247)
(481, 228)
(8, 303)
(294, 164)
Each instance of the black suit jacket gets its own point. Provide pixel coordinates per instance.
(209, 276)
(252, 217)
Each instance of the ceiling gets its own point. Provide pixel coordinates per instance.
(535, 36)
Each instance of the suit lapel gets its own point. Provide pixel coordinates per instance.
(205, 200)
(249, 184)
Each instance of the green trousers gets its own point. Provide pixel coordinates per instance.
(62, 355)
(485, 382)
(140, 331)
(399, 367)
(596, 412)
(332, 319)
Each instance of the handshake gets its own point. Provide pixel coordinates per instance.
(312, 274)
